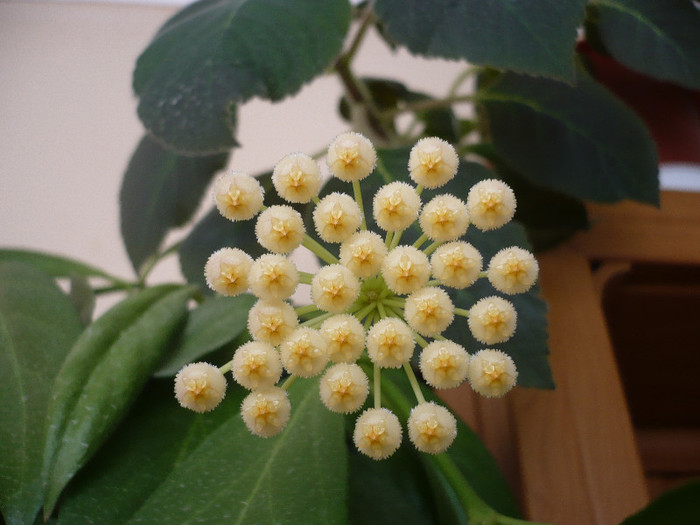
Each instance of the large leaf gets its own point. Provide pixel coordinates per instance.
(659, 39)
(54, 265)
(678, 506)
(103, 374)
(211, 325)
(217, 53)
(578, 139)
(160, 190)
(529, 37)
(38, 326)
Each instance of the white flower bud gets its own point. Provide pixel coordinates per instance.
(266, 412)
(492, 320)
(297, 178)
(492, 373)
(273, 277)
(513, 270)
(363, 253)
(433, 162)
(336, 217)
(238, 196)
(256, 365)
(444, 364)
(390, 343)
(334, 288)
(226, 271)
(405, 269)
(272, 321)
(200, 387)
(395, 206)
(456, 264)
(344, 388)
(280, 229)
(491, 204)
(429, 311)
(345, 336)
(351, 156)
(377, 433)
(444, 218)
(431, 428)
(304, 352)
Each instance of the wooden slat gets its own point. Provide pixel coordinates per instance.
(579, 462)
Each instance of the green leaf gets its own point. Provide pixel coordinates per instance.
(678, 506)
(83, 298)
(160, 190)
(38, 326)
(215, 54)
(54, 265)
(579, 140)
(211, 325)
(299, 476)
(103, 374)
(529, 37)
(659, 39)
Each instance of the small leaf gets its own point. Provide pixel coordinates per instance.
(678, 506)
(102, 375)
(579, 140)
(83, 298)
(160, 190)
(53, 265)
(659, 39)
(38, 326)
(536, 38)
(214, 323)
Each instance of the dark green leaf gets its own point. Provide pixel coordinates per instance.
(678, 506)
(214, 323)
(215, 54)
(38, 326)
(160, 190)
(299, 476)
(53, 265)
(103, 374)
(529, 37)
(659, 39)
(579, 139)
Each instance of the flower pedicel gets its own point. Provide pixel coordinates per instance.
(380, 299)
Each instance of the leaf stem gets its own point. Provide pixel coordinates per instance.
(319, 250)
(358, 198)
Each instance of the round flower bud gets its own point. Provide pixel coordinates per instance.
(334, 288)
(431, 428)
(444, 218)
(238, 196)
(492, 320)
(491, 204)
(390, 343)
(297, 178)
(492, 373)
(273, 277)
(304, 352)
(377, 433)
(456, 264)
(200, 387)
(444, 364)
(266, 412)
(513, 270)
(336, 217)
(256, 365)
(429, 310)
(344, 388)
(345, 336)
(226, 271)
(405, 269)
(362, 253)
(433, 162)
(272, 321)
(395, 206)
(351, 156)
(280, 229)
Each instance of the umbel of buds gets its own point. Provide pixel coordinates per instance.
(374, 304)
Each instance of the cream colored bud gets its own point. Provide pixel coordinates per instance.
(492, 320)
(304, 352)
(272, 321)
(429, 311)
(513, 270)
(456, 264)
(266, 412)
(377, 433)
(226, 271)
(200, 387)
(238, 196)
(256, 365)
(395, 206)
(334, 288)
(345, 336)
(273, 277)
(351, 156)
(280, 229)
(431, 428)
(297, 178)
(363, 253)
(344, 388)
(405, 269)
(491, 204)
(444, 218)
(444, 364)
(336, 217)
(433, 162)
(492, 373)
(390, 343)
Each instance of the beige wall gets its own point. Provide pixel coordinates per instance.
(68, 121)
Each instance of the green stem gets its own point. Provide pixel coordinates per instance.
(414, 382)
(432, 247)
(389, 237)
(365, 311)
(307, 309)
(377, 380)
(395, 302)
(425, 105)
(421, 341)
(305, 277)
(319, 250)
(288, 382)
(395, 240)
(227, 367)
(420, 240)
(316, 321)
(461, 311)
(383, 171)
(358, 198)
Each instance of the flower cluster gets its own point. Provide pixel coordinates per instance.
(378, 298)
